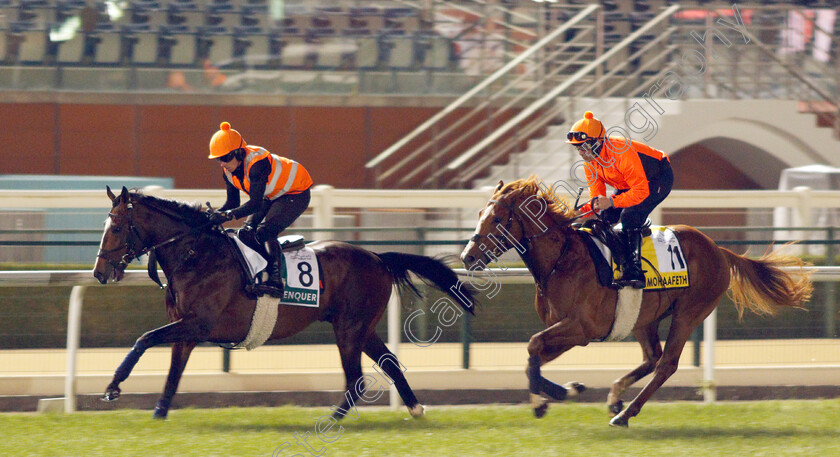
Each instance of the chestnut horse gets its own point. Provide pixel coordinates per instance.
(576, 309)
(206, 299)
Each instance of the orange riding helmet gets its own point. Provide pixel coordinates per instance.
(585, 129)
(224, 141)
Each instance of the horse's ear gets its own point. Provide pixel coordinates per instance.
(124, 194)
(499, 187)
(110, 194)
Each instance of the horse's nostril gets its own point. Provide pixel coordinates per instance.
(470, 259)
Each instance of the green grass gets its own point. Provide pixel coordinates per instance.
(777, 428)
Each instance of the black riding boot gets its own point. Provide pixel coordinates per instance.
(631, 266)
(274, 284)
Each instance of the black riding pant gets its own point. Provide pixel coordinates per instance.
(635, 216)
(276, 215)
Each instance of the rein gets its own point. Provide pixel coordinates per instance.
(131, 254)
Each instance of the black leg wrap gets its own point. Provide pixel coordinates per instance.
(555, 391)
(161, 409)
(128, 363)
(403, 388)
(534, 376)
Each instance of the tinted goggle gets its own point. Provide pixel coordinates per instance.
(228, 157)
(577, 136)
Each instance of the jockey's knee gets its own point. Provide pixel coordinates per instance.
(248, 236)
(265, 233)
(632, 218)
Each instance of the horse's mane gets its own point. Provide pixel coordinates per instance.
(190, 212)
(558, 206)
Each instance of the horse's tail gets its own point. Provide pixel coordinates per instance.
(761, 285)
(432, 271)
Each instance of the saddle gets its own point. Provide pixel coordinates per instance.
(609, 236)
(288, 243)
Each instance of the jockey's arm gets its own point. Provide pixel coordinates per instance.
(258, 175)
(232, 200)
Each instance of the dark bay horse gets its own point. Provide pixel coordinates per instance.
(206, 301)
(576, 309)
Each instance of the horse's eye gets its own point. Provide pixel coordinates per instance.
(496, 220)
(116, 229)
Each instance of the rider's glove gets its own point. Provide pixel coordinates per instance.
(219, 217)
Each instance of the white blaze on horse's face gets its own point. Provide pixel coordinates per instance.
(104, 269)
(475, 254)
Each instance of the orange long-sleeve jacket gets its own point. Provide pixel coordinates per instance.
(623, 166)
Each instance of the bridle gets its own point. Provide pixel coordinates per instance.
(134, 238)
(526, 240)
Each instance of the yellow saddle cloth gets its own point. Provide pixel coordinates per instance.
(662, 251)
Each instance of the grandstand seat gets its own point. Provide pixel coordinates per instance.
(215, 45)
(618, 22)
(140, 14)
(252, 48)
(369, 17)
(4, 43)
(108, 49)
(72, 50)
(37, 12)
(255, 16)
(395, 50)
(221, 5)
(226, 19)
(183, 48)
(32, 48)
(140, 45)
(187, 14)
(293, 49)
(401, 18)
(431, 50)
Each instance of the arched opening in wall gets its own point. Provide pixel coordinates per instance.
(724, 164)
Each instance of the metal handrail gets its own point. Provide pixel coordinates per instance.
(469, 95)
(525, 131)
(527, 112)
(500, 110)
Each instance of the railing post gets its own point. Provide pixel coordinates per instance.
(830, 287)
(323, 211)
(226, 360)
(696, 338)
(74, 327)
(466, 339)
(394, 332)
(709, 338)
(804, 212)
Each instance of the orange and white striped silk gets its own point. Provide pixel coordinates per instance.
(286, 177)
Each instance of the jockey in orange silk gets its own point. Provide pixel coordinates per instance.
(641, 176)
(279, 193)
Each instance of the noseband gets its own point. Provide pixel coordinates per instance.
(130, 252)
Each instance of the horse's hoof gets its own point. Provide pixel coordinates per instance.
(620, 420)
(417, 411)
(160, 414)
(111, 394)
(616, 408)
(573, 388)
(540, 405)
